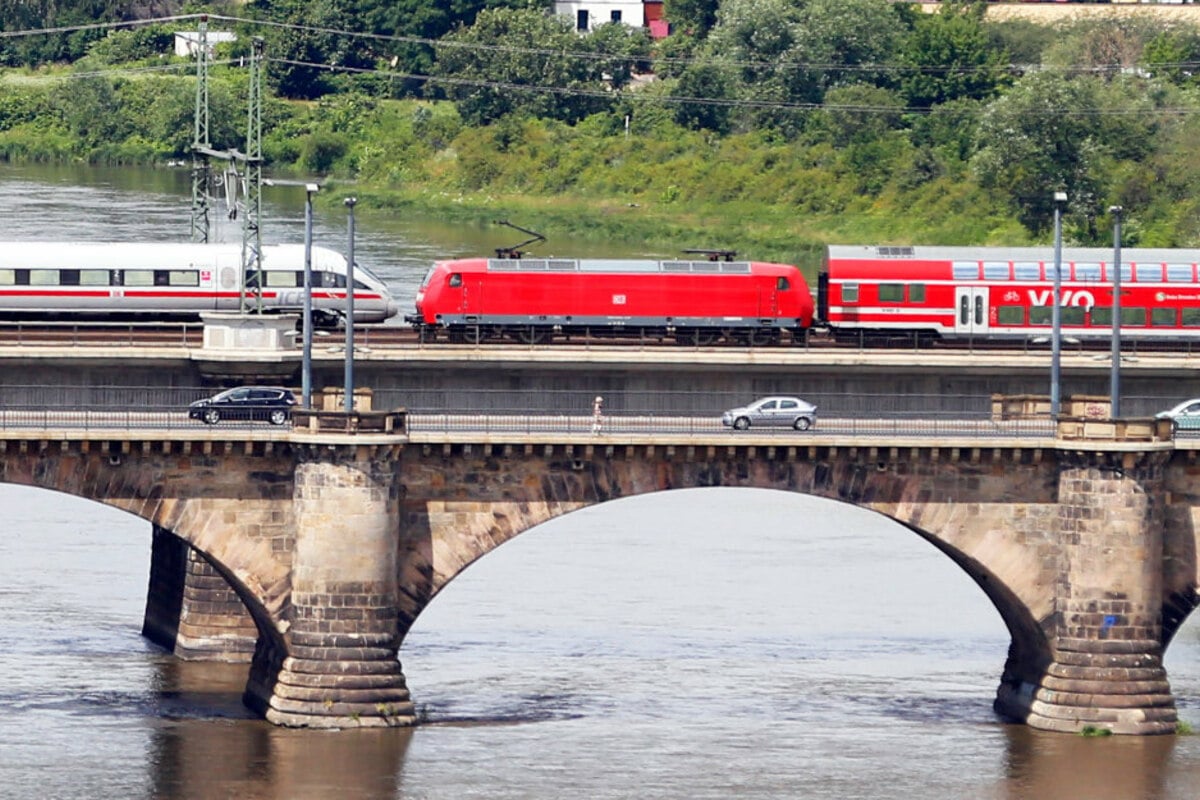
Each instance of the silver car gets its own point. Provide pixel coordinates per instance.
(1185, 416)
(780, 412)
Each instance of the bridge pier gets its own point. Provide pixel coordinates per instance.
(1100, 665)
(336, 664)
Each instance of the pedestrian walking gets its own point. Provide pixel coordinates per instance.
(597, 414)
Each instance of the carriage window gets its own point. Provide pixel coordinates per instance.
(1126, 272)
(1102, 315)
(94, 277)
(1040, 315)
(284, 279)
(1162, 317)
(456, 279)
(1072, 315)
(8, 277)
(849, 292)
(891, 292)
(966, 271)
(1191, 317)
(183, 277)
(916, 293)
(1149, 272)
(137, 277)
(43, 277)
(1179, 273)
(1087, 272)
(782, 284)
(1010, 315)
(995, 270)
(1027, 271)
(1133, 316)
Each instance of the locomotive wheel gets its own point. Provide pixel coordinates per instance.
(278, 416)
(802, 424)
(211, 416)
(531, 335)
(741, 423)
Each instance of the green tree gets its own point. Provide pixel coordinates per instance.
(691, 17)
(524, 62)
(704, 93)
(1034, 141)
(949, 57)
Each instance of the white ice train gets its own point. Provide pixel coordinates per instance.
(99, 280)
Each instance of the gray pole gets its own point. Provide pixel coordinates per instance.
(350, 203)
(1115, 390)
(306, 372)
(1055, 311)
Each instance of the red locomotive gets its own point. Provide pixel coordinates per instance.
(877, 292)
(532, 300)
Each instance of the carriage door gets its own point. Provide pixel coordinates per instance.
(970, 309)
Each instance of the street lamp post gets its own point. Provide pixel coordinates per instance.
(306, 370)
(1060, 199)
(349, 382)
(1115, 387)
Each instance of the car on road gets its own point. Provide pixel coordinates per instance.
(779, 412)
(271, 404)
(1185, 416)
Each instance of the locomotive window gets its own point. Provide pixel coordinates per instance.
(1162, 317)
(1027, 271)
(1087, 272)
(43, 277)
(1072, 315)
(93, 277)
(1179, 273)
(782, 284)
(360, 285)
(966, 270)
(286, 279)
(138, 277)
(1191, 317)
(456, 279)
(849, 292)
(332, 280)
(183, 277)
(891, 293)
(8, 277)
(916, 293)
(995, 270)
(1040, 315)
(1010, 315)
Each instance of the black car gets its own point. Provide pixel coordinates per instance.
(270, 403)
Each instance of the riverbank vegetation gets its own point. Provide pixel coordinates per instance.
(770, 126)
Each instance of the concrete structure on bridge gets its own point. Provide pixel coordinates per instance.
(312, 552)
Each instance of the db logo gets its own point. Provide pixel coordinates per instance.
(618, 299)
(205, 275)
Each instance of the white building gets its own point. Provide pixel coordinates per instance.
(589, 14)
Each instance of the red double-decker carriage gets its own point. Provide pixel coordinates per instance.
(994, 292)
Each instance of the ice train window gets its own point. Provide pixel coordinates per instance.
(138, 277)
(285, 279)
(183, 277)
(93, 277)
(43, 277)
(8, 277)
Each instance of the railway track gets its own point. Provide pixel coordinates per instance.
(191, 335)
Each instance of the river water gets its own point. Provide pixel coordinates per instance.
(710, 643)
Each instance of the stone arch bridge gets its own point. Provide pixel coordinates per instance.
(311, 554)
